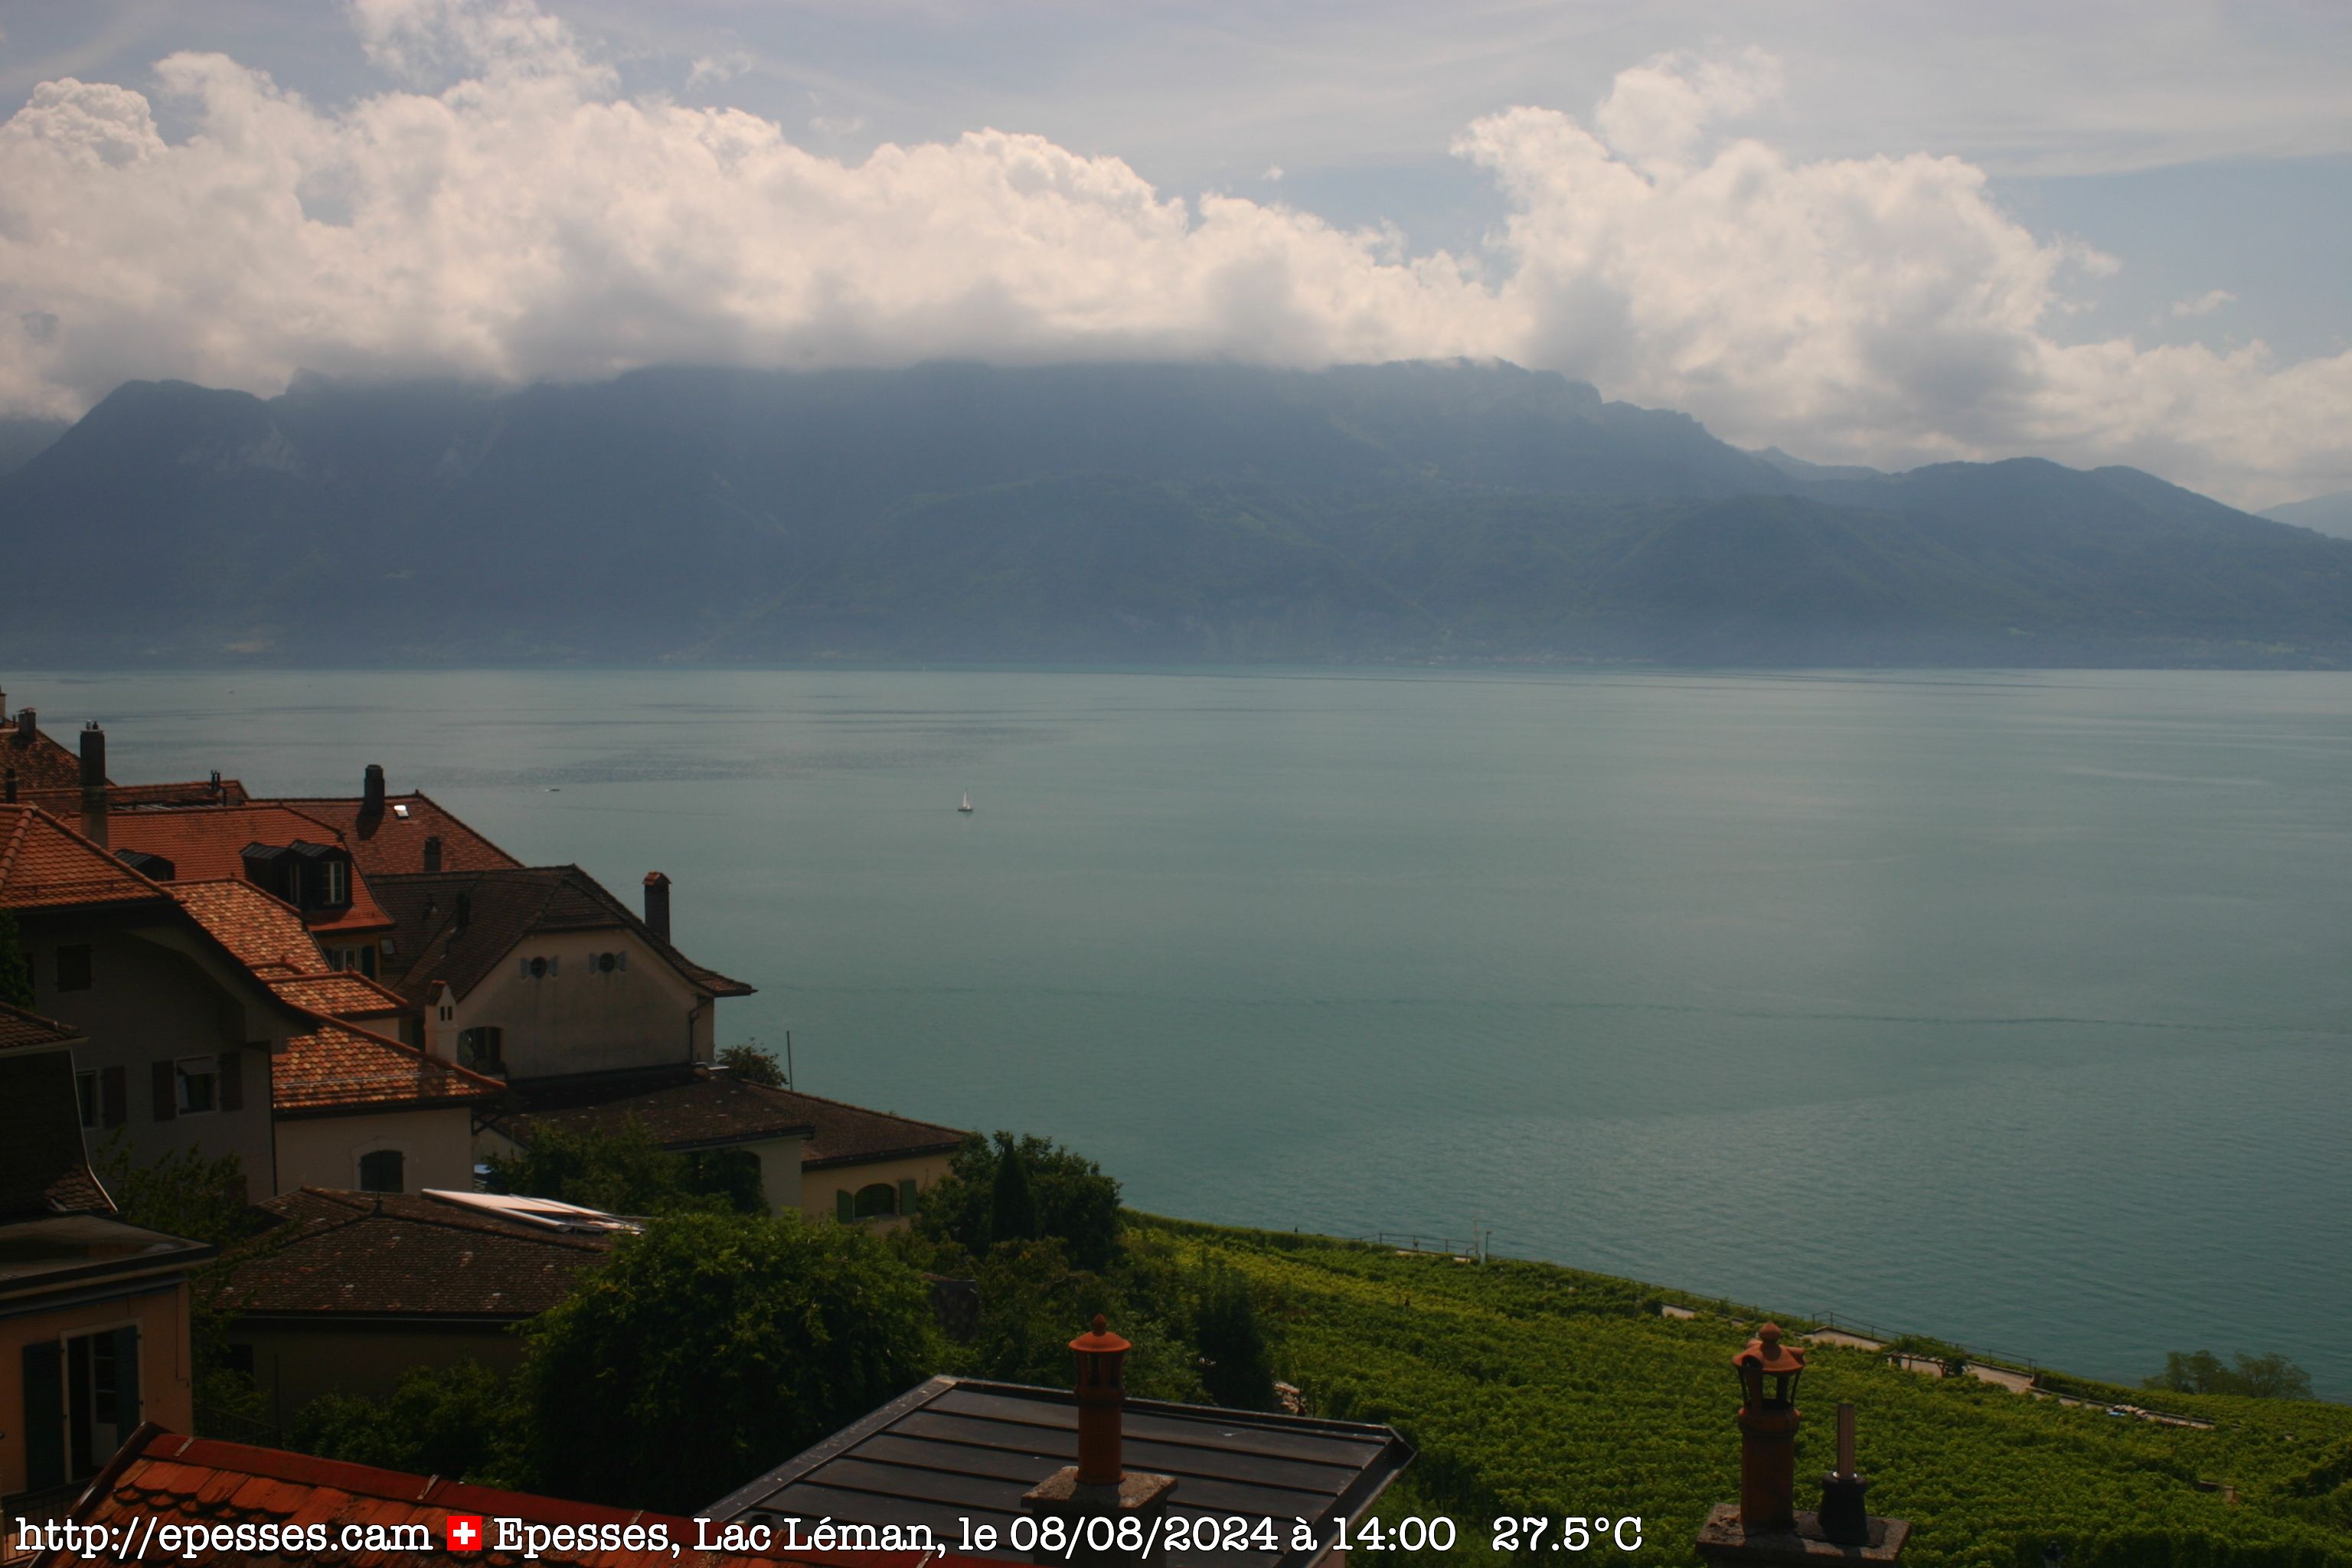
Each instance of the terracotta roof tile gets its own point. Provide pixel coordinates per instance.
(366, 1252)
(342, 1067)
(264, 930)
(43, 864)
(41, 763)
(67, 803)
(392, 844)
(161, 1478)
(699, 1108)
(342, 994)
(506, 906)
(207, 844)
(19, 1027)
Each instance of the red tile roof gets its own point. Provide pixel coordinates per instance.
(699, 1108)
(264, 930)
(19, 1027)
(338, 1067)
(207, 844)
(507, 906)
(42, 762)
(43, 864)
(368, 1252)
(164, 1477)
(392, 844)
(67, 803)
(342, 994)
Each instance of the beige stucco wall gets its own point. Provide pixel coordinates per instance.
(157, 995)
(820, 1189)
(294, 1363)
(166, 1389)
(324, 1151)
(580, 1020)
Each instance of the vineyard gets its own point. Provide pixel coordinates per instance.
(1535, 1390)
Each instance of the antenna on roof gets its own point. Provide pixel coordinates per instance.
(788, 1058)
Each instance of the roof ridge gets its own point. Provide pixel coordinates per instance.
(847, 1105)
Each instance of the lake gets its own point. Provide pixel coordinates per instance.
(2014, 1007)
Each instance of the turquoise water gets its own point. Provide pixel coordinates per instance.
(2014, 1007)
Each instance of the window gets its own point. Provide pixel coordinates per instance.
(73, 967)
(874, 1202)
(199, 1084)
(85, 1092)
(334, 882)
(606, 963)
(542, 967)
(478, 1049)
(382, 1170)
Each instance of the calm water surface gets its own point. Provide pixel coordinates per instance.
(2013, 1007)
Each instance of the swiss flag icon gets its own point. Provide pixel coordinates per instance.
(465, 1533)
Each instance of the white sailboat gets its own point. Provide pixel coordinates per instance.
(967, 802)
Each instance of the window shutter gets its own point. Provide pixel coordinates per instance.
(126, 1380)
(621, 959)
(44, 1416)
(113, 1097)
(526, 968)
(167, 1093)
(232, 1080)
(555, 966)
(844, 1207)
(907, 1196)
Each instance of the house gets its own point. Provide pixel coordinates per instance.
(959, 1453)
(178, 1034)
(36, 770)
(352, 1513)
(354, 1105)
(395, 835)
(277, 848)
(346, 1291)
(93, 1312)
(539, 973)
(823, 1157)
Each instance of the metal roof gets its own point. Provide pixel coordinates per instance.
(956, 1448)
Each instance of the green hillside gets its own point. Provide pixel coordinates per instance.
(1534, 1389)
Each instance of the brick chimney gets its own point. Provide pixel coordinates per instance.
(433, 852)
(658, 904)
(371, 791)
(26, 727)
(463, 915)
(1099, 1485)
(93, 783)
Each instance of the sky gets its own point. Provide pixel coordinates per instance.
(1861, 230)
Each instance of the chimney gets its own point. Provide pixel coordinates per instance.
(93, 783)
(26, 731)
(433, 853)
(1098, 1486)
(438, 1028)
(10, 785)
(1763, 1529)
(658, 904)
(371, 791)
(463, 915)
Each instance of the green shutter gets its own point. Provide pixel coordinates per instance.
(907, 1196)
(45, 1416)
(126, 1381)
(845, 1206)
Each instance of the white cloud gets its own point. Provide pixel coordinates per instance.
(712, 70)
(1273, 175)
(509, 214)
(2203, 304)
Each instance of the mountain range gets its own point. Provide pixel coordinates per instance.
(1093, 513)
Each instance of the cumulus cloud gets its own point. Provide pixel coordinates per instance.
(506, 212)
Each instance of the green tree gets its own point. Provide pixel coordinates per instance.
(979, 1201)
(752, 1064)
(626, 1172)
(711, 1347)
(1237, 1364)
(2259, 1377)
(184, 1193)
(464, 1421)
(16, 967)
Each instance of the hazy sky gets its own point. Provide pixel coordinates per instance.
(1865, 231)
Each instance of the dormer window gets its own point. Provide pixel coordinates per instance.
(334, 882)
